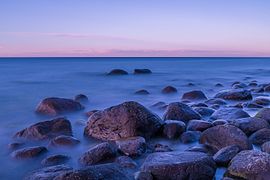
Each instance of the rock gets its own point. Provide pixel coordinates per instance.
(263, 101)
(229, 113)
(143, 176)
(80, 122)
(128, 119)
(126, 162)
(117, 72)
(266, 147)
(159, 105)
(179, 165)
(169, 90)
(194, 95)
(204, 111)
(225, 155)
(236, 95)
(90, 113)
(216, 101)
(81, 98)
(199, 105)
(55, 160)
(267, 88)
(142, 92)
(239, 86)
(29, 152)
(98, 154)
(252, 105)
(261, 136)
(215, 106)
(219, 122)
(48, 172)
(133, 146)
(173, 129)
(54, 106)
(253, 84)
(203, 149)
(264, 114)
(161, 148)
(218, 85)
(180, 111)
(109, 171)
(46, 130)
(250, 164)
(64, 141)
(190, 136)
(225, 135)
(198, 125)
(14, 146)
(142, 71)
(249, 125)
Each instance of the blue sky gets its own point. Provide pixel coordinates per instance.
(134, 28)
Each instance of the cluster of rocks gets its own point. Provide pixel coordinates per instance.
(123, 72)
(225, 132)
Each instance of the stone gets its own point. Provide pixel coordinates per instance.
(252, 105)
(235, 95)
(229, 113)
(173, 129)
(142, 92)
(266, 147)
(203, 149)
(15, 145)
(194, 95)
(128, 119)
(142, 71)
(215, 101)
(200, 104)
(159, 105)
(198, 125)
(133, 146)
(219, 122)
(161, 148)
(81, 98)
(225, 155)
(64, 141)
(263, 101)
(190, 136)
(126, 162)
(204, 111)
(54, 106)
(169, 90)
(259, 137)
(264, 114)
(90, 113)
(267, 88)
(55, 160)
(29, 152)
(218, 85)
(117, 72)
(143, 176)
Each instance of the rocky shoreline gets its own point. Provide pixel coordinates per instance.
(226, 134)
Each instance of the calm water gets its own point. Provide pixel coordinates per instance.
(24, 82)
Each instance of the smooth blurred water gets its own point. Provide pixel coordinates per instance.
(26, 81)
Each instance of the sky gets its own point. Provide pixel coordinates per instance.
(181, 28)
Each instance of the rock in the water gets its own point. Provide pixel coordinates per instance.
(180, 111)
(225, 155)
(30, 152)
(215, 101)
(264, 114)
(219, 85)
(229, 113)
(173, 129)
(46, 130)
(90, 113)
(142, 92)
(190, 136)
(194, 95)
(267, 88)
(266, 147)
(98, 154)
(263, 101)
(198, 125)
(142, 71)
(250, 164)
(128, 119)
(225, 135)
(48, 172)
(161, 148)
(81, 98)
(109, 171)
(236, 95)
(202, 148)
(14, 146)
(117, 72)
(204, 111)
(159, 105)
(179, 165)
(219, 122)
(62, 141)
(249, 125)
(169, 90)
(125, 161)
(239, 86)
(252, 105)
(133, 146)
(54, 106)
(55, 160)
(143, 176)
(200, 104)
(261, 136)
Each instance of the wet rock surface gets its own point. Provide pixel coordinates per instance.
(169, 90)
(261, 136)
(225, 155)
(117, 72)
(55, 160)
(29, 152)
(236, 95)
(229, 113)
(190, 136)
(173, 129)
(198, 125)
(64, 141)
(142, 71)
(194, 95)
(133, 146)
(142, 92)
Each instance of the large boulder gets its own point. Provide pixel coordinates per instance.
(180, 111)
(229, 113)
(264, 114)
(46, 130)
(110, 171)
(54, 106)
(250, 164)
(225, 155)
(133, 146)
(249, 125)
(98, 154)
(29, 152)
(194, 95)
(179, 165)
(235, 95)
(225, 135)
(128, 119)
(117, 72)
(261, 136)
(198, 125)
(173, 129)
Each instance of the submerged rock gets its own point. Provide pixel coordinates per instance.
(229, 113)
(143, 176)
(46, 130)
(81, 98)
(118, 72)
(64, 141)
(142, 71)
(54, 106)
(55, 160)
(125, 161)
(236, 95)
(180, 111)
(173, 129)
(29, 152)
(215, 101)
(263, 101)
(204, 111)
(179, 165)
(261, 136)
(225, 155)
(264, 114)
(203, 149)
(133, 146)
(159, 105)
(169, 90)
(128, 119)
(198, 125)
(190, 136)
(142, 92)
(15, 145)
(194, 95)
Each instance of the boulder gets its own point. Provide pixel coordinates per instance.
(249, 164)
(239, 86)
(266, 147)
(29, 152)
(263, 101)
(190, 136)
(169, 90)
(194, 95)
(204, 111)
(180, 111)
(203, 149)
(249, 125)
(261, 136)
(267, 88)
(133, 146)
(90, 113)
(54, 106)
(128, 119)
(179, 165)
(46, 130)
(126, 162)
(117, 72)
(55, 160)
(252, 105)
(15, 145)
(142, 92)
(98, 154)
(159, 148)
(235, 95)
(173, 129)
(225, 135)
(225, 155)
(198, 125)
(215, 101)
(81, 98)
(219, 122)
(264, 114)
(63, 141)
(159, 105)
(229, 113)
(143, 176)
(142, 71)
(219, 85)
